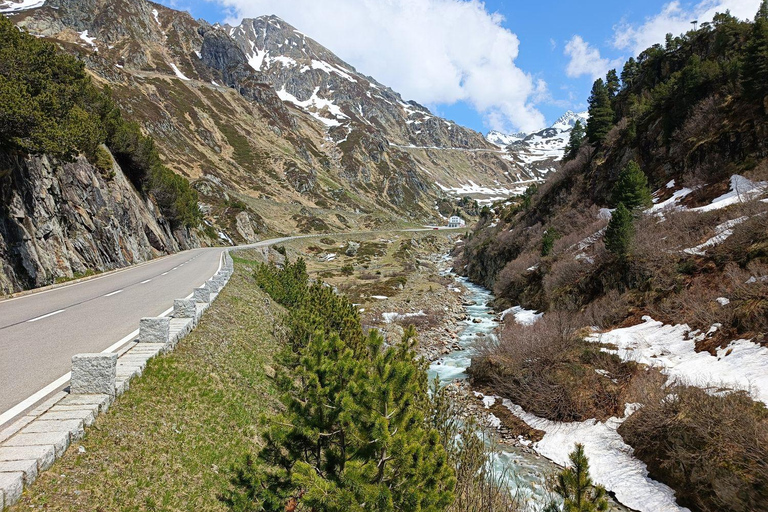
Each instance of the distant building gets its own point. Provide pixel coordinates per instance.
(456, 222)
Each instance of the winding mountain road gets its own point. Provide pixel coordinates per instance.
(41, 331)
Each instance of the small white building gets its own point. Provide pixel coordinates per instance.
(456, 222)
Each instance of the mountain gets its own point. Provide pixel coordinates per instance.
(538, 151)
(503, 139)
(275, 132)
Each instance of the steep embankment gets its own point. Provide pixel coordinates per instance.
(82, 189)
(648, 255)
(61, 220)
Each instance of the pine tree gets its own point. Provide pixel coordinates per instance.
(575, 141)
(629, 72)
(612, 83)
(620, 231)
(575, 486)
(632, 189)
(755, 69)
(354, 435)
(600, 112)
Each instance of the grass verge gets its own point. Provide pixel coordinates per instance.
(170, 442)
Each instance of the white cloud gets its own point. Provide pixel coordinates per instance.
(676, 19)
(586, 60)
(433, 51)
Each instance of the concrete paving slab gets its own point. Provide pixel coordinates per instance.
(87, 416)
(28, 467)
(11, 487)
(44, 455)
(72, 426)
(59, 441)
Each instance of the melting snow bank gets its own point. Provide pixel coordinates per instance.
(671, 348)
(522, 316)
(611, 462)
(742, 189)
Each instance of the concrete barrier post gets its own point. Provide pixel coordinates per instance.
(93, 374)
(213, 285)
(155, 330)
(202, 294)
(184, 308)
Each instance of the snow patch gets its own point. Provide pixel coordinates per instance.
(178, 72)
(742, 190)
(89, 40)
(11, 7)
(522, 316)
(611, 462)
(742, 365)
(722, 232)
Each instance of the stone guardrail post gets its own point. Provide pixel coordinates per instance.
(202, 294)
(93, 374)
(184, 308)
(213, 286)
(155, 330)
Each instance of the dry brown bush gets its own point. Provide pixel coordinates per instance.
(561, 282)
(431, 319)
(548, 370)
(713, 450)
(514, 277)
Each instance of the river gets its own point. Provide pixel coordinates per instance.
(526, 471)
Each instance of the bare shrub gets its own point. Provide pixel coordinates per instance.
(515, 276)
(607, 311)
(431, 319)
(550, 371)
(479, 487)
(561, 282)
(713, 450)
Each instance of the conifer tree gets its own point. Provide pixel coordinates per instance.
(618, 235)
(629, 72)
(755, 69)
(575, 141)
(575, 486)
(600, 112)
(354, 435)
(612, 83)
(632, 189)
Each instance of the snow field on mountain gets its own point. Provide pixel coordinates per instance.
(10, 7)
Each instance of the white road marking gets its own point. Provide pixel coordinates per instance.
(46, 316)
(113, 293)
(22, 406)
(145, 282)
(164, 274)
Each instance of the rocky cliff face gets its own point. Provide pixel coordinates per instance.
(61, 220)
(263, 116)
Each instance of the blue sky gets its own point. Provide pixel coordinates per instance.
(563, 45)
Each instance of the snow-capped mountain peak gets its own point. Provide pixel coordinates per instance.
(568, 120)
(503, 139)
(542, 147)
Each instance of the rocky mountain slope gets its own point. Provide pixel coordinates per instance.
(268, 124)
(63, 220)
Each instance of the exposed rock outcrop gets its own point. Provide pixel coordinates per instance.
(60, 220)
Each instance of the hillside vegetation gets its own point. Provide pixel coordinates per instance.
(50, 105)
(659, 210)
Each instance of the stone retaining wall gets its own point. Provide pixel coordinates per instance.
(33, 443)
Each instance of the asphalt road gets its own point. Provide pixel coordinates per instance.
(41, 331)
